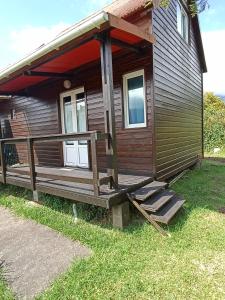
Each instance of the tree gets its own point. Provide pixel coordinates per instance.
(214, 122)
(196, 6)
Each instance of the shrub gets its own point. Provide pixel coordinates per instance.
(214, 122)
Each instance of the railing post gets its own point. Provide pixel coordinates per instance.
(3, 163)
(94, 164)
(30, 150)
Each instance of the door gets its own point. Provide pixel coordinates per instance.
(73, 115)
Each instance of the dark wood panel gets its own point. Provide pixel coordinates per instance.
(177, 95)
(39, 113)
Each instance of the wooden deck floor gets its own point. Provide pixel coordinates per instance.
(77, 191)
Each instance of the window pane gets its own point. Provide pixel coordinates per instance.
(81, 116)
(68, 115)
(179, 19)
(136, 100)
(182, 21)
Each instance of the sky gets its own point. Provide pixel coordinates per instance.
(26, 24)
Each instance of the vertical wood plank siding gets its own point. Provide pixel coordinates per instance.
(177, 95)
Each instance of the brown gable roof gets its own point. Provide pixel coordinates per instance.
(125, 8)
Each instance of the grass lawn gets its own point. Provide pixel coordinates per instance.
(138, 263)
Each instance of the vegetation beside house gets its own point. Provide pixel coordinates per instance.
(138, 263)
(214, 124)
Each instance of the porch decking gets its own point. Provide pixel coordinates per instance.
(73, 190)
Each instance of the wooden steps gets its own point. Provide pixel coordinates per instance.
(168, 211)
(148, 190)
(154, 203)
(157, 203)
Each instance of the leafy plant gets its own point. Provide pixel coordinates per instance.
(196, 6)
(214, 122)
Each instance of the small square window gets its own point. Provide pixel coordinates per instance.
(182, 22)
(134, 99)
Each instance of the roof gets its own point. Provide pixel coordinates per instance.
(125, 8)
(60, 55)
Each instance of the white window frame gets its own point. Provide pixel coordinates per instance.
(126, 77)
(184, 33)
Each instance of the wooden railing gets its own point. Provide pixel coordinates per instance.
(91, 136)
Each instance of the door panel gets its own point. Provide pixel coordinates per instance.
(73, 112)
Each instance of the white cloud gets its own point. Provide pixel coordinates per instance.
(214, 47)
(29, 38)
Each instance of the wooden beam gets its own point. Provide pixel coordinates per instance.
(121, 44)
(125, 45)
(30, 152)
(109, 113)
(48, 74)
(128, 27)
(94, 165)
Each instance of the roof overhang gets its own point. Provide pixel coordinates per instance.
(73, 48)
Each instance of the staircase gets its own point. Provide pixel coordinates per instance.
(157, 203)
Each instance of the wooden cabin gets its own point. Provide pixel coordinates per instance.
(109, 106)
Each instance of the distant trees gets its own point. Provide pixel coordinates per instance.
(196, 6)
(214, 122)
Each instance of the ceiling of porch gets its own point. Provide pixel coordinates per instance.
(72, 55)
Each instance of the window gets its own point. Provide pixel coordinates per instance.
(182, 22)
(134, 99)
(12, 114)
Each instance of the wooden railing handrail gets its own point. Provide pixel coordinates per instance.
(91, 136)
(58, 137)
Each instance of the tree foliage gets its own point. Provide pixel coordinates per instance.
(214, 122)
(196, 6)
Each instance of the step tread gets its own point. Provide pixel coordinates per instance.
(148, 190)
(157, 201)
(167, 212)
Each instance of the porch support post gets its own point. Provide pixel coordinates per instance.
(30, 150)
(109, 112)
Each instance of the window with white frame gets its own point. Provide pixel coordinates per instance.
(182, 21)
(134, 99)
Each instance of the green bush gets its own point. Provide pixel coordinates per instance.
(214, 122)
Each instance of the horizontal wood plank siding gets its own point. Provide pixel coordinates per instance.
(177, 95)
(34, 115)
(39, 114)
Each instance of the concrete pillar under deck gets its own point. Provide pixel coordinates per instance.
(121, 215)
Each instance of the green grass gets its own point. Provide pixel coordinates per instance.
(5, 293)
(138, 263)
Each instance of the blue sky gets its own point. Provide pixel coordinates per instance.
(25, 24)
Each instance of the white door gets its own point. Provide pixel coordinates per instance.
(73, 115)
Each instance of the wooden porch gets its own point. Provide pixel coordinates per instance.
(79, 185)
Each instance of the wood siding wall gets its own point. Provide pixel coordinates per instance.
(39, 114)
(177, 95)
(34, 115)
